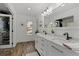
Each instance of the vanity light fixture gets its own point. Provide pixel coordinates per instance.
(59, 5)
(47, 11)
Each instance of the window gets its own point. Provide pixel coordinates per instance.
(29, 27)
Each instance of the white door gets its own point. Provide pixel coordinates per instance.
(5, 31)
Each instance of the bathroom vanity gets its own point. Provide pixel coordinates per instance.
(51, 45)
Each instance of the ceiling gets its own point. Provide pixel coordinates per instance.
(4, 9)
(36, 8)
(67, 6)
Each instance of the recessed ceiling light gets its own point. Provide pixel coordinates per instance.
(29, 8)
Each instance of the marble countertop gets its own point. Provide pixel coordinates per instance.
(60, 40)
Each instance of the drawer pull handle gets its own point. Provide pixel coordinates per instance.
(57, 49)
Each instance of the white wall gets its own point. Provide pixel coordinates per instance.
(40, 21)
(74, 29)
(19, 34)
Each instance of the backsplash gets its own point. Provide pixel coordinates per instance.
(59, 31)
(73, 31)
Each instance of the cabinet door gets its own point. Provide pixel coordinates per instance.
(38, 45)
(44, 47)
(63, 50)
(47, 49)
(36, 42)
(53, 49)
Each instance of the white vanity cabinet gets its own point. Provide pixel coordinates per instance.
(40, 46)
(58, 50)
(45, 48)
(55, 51)
(49, 48)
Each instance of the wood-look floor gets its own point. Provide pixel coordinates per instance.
(21, 49)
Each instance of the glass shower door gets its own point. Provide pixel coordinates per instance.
(5, 31)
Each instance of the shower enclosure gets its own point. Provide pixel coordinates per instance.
(5, 31)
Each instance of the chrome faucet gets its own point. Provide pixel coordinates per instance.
(67, 36)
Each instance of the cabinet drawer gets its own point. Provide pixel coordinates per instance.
(44, 44)
(56, 51)
(44, 51)
(48, 48)
(61, 49)
(54, 48)
(44, 47)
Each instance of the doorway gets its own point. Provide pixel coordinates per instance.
(5, 31)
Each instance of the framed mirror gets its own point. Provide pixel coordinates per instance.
(64, 22)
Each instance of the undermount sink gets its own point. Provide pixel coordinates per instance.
(74, 44)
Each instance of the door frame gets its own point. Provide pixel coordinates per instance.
(11, 33)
